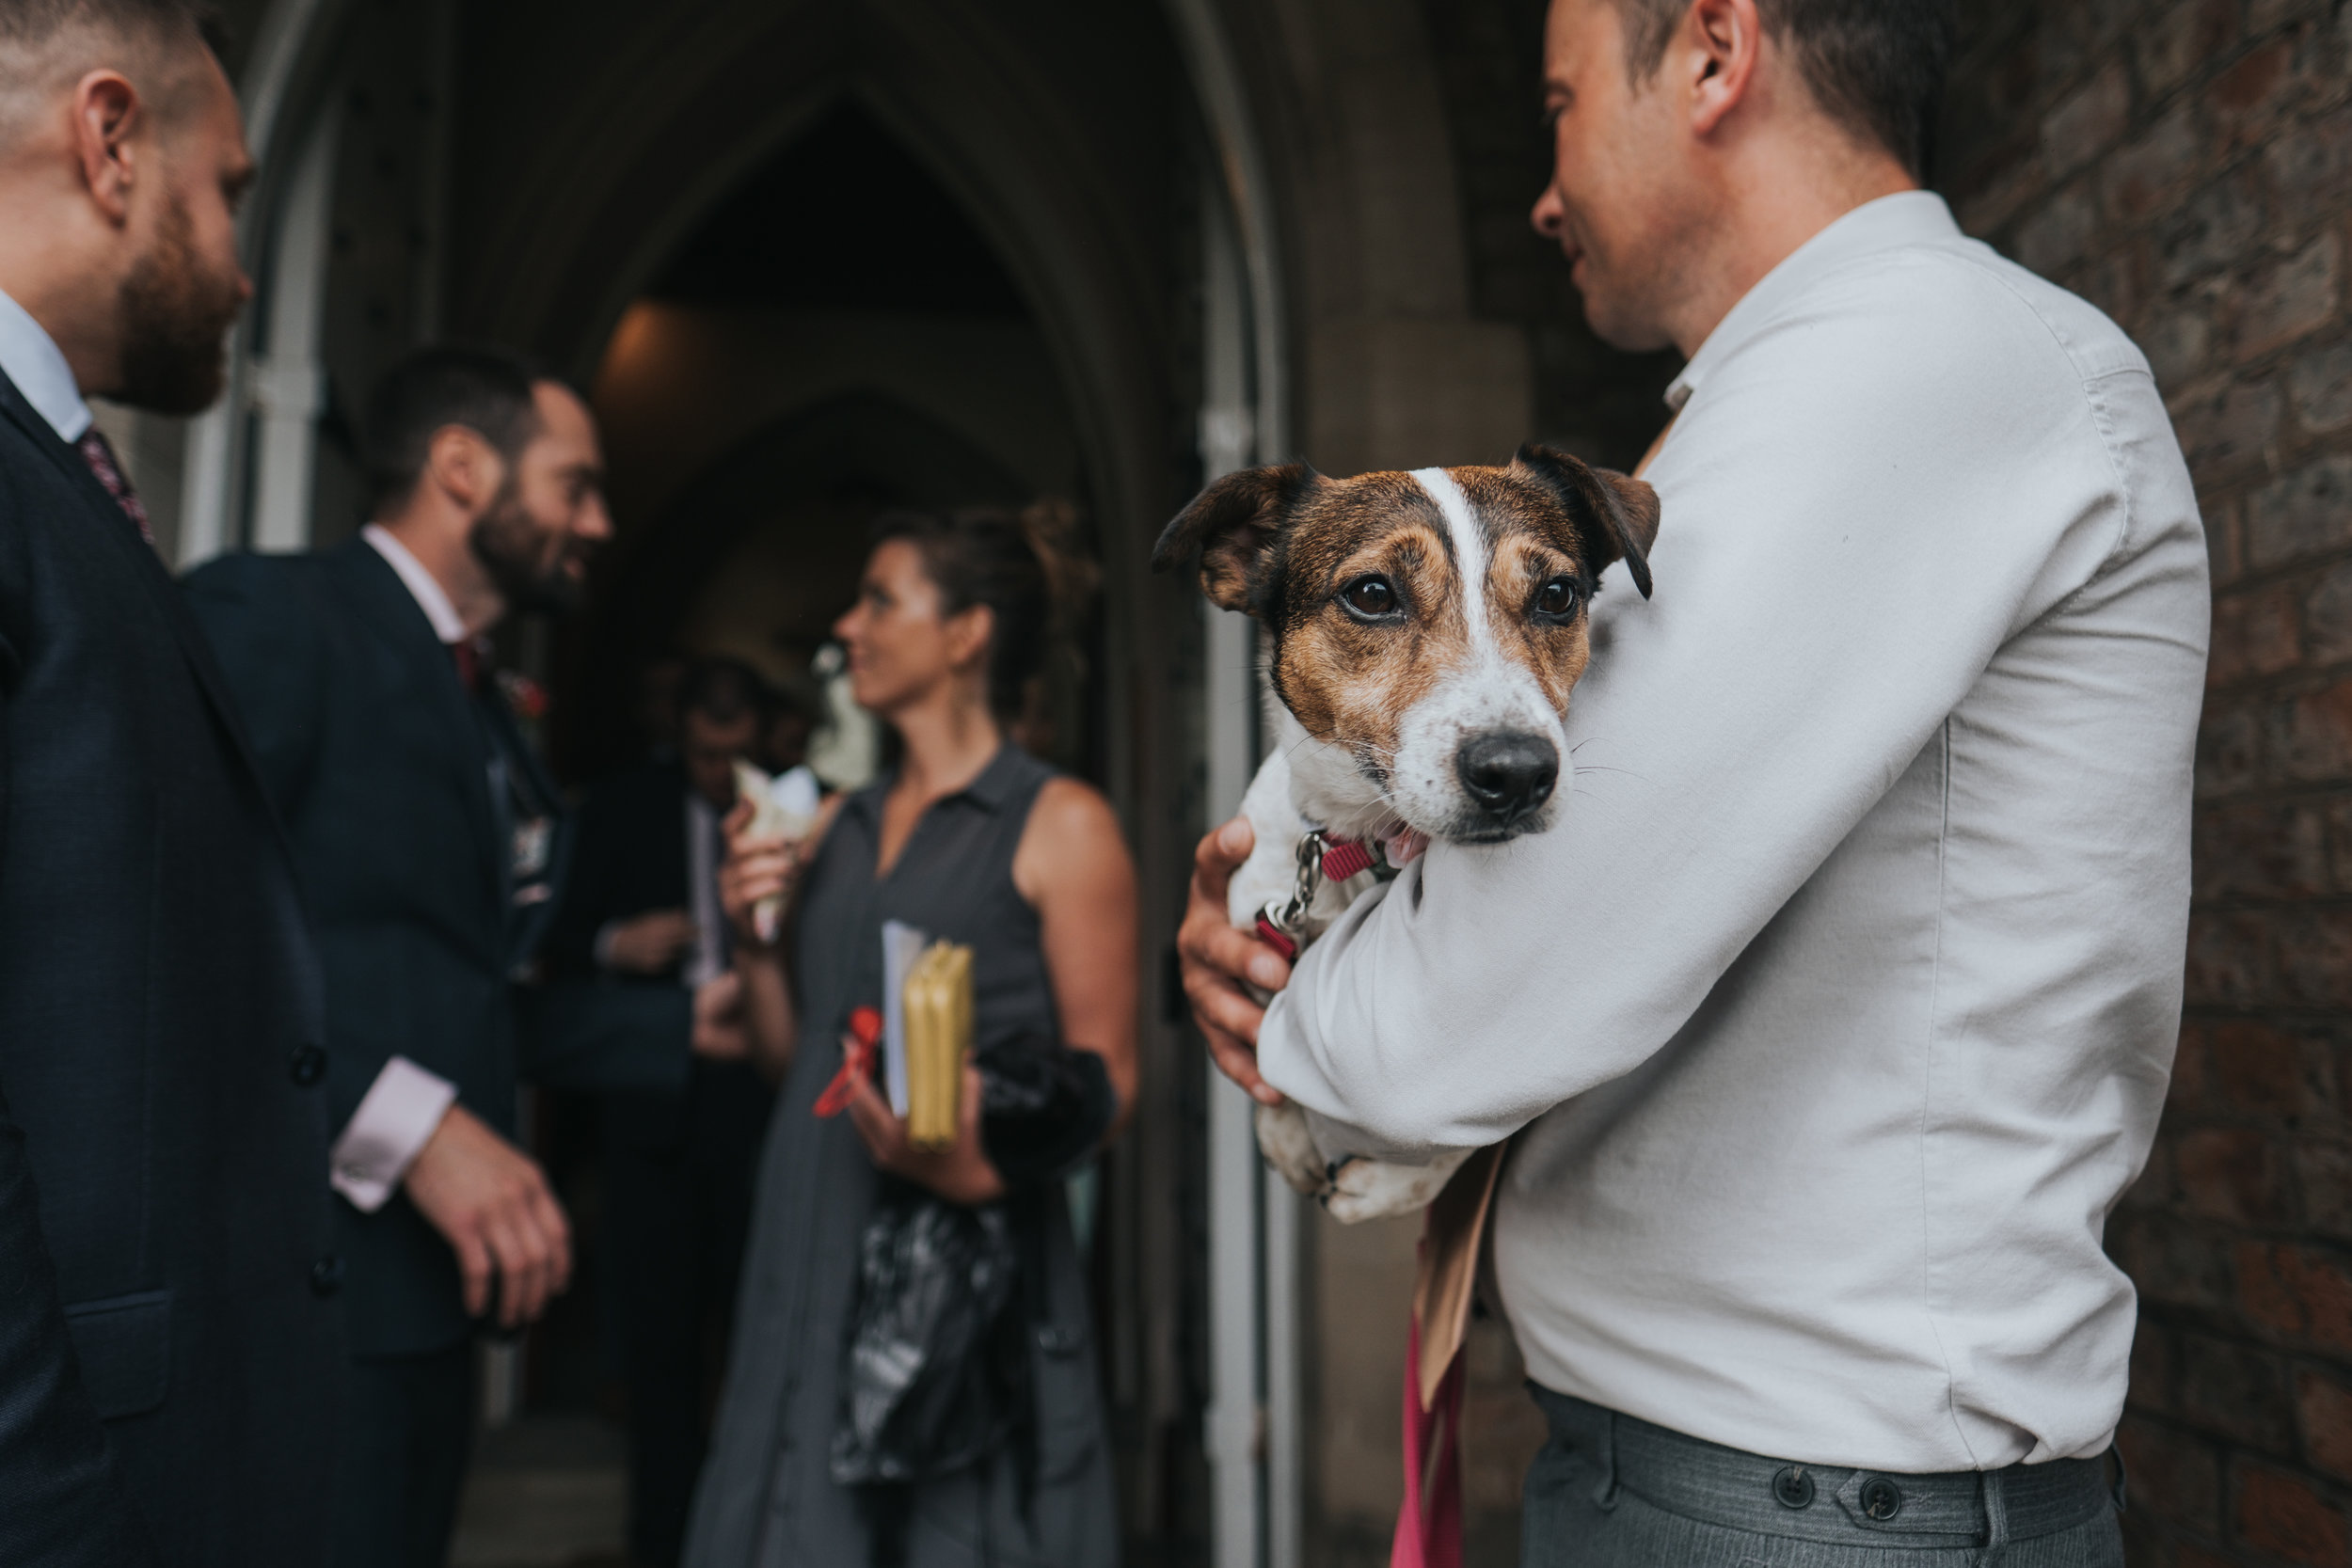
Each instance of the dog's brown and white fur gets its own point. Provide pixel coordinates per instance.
(1423, 632)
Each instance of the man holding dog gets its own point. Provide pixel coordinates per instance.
(1837, 1012)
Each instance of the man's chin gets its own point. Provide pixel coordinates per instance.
(1618, 322)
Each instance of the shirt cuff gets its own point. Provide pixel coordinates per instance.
(403, 1108)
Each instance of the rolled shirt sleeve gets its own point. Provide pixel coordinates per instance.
(395, 1119)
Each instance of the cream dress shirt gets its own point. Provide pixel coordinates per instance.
(1837, 1011)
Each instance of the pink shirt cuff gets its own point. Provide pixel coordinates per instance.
(403, 1108)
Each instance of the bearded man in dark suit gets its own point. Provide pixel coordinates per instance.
(428, 838)
(169, 1332)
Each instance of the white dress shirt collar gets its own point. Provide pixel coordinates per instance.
(1889, 223)
(32, 360)
(447, 625)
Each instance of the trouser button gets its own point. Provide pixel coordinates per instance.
(326, 1275)
(1793, 1488)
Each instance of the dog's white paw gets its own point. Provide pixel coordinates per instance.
(1290, 1148)
(1375, 1190)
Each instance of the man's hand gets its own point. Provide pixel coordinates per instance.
(491, 1202)
(720, 1033)
(650, 943)
(1218, 958)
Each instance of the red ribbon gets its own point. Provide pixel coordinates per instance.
(1429, 1524)
(857, 1062)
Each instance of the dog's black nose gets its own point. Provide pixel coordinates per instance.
(1508, 774)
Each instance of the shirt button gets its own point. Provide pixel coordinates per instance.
(326, 1275)
(1793, 1488)
(307, 1066)
(1882, 1499)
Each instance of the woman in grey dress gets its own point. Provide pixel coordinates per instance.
(973, 841)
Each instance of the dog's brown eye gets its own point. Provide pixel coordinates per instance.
(1371, 597)
(1556, 597)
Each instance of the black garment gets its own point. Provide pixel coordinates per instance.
(387, 776)
(677, 1165)
(166, 1368)
(396, 1498)
(768, 1498)
(677, 1212)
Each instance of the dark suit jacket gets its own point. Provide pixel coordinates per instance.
(167, 1367)
(381, 766)
(630, 860)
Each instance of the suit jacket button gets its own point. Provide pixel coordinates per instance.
(307, 1065)
(326, 1275)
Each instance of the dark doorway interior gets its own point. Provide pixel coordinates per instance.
(834, 337)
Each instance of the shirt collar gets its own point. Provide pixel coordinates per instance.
(33, 360)
(1889, 223)
(447, 625)
(988, 789)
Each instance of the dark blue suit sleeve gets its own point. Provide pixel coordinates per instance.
(63, 1501)
(260, 618)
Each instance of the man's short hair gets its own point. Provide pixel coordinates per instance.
(38, 51)
(1876, 67)
(487, 390)
(723, 690)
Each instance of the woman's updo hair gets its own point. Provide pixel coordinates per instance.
(1025, 565)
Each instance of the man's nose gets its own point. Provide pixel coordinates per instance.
(1546, 217)
(1508, 773)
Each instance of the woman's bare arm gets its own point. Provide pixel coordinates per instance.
(1073, 868)
(756, 869)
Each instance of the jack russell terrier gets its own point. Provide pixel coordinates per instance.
(1421, 634)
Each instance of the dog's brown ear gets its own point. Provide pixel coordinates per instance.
(1234, 523)
(1625, 507)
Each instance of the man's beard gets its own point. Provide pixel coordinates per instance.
(175, 324)
(512, 547)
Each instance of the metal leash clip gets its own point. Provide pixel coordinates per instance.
(1285, 920)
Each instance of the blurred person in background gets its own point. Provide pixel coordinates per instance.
(427, 834)
(785, 742)
(641, 912)
(169, 1334)
(993, 1448)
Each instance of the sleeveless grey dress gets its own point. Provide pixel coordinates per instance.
(766, 1498)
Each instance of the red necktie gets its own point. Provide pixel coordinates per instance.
(468, 660)
(101, 458)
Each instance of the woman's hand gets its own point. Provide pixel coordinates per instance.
(756, 869)
(960, 1175)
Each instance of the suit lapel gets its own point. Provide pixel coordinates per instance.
(116, 532)
(394, 616)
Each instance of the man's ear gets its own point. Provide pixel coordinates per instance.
(107, 112)
(465, 467)
(1626, 509)
(1234, 523)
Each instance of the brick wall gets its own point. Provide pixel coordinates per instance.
(2187, 165)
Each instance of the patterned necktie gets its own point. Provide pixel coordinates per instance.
(101, 458)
